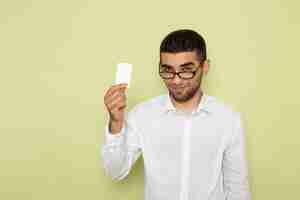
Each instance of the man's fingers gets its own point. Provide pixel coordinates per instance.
(115, 97)
(119, 106)
(115, 87)
(115, 101)
(113, 93)
(120, 92)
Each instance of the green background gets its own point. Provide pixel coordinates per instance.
(57, 59)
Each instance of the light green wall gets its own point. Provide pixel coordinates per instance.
(57, 58)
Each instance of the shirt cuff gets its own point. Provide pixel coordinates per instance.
(113, 138)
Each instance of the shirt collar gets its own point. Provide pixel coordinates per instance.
(203, 106)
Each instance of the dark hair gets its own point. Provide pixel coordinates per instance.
(184, 40)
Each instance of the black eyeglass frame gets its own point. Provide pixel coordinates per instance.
(178, 73)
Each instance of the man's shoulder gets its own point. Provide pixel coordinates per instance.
(219, 107)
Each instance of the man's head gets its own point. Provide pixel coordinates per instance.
(183, 51)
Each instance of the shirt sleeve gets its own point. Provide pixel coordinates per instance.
(120, 151)
(235, 170)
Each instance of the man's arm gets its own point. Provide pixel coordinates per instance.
(235, 169)
(121, 150)
(122, 144)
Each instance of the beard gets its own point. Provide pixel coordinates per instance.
(183, 93)
(183, 96)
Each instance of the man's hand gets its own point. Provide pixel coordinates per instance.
(115, 102)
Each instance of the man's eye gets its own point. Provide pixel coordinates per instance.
(187, 69)
(167, 70)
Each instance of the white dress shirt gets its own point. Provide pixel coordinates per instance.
(196, 156)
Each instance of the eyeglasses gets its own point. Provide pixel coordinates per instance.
(186, 75)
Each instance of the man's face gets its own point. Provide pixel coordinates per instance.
(182, 90)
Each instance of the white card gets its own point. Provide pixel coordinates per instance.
(123, 73)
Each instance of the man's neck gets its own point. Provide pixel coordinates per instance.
(189, 105)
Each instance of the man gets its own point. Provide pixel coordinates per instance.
(192, 144)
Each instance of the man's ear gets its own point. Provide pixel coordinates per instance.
(205, 66)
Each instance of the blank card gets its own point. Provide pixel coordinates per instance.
(123, 74)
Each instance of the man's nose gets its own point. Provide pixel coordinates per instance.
(176, 79)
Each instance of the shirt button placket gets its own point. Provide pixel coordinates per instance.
(185, 173)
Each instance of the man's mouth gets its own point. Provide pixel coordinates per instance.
(177, 89)
(177, 86)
